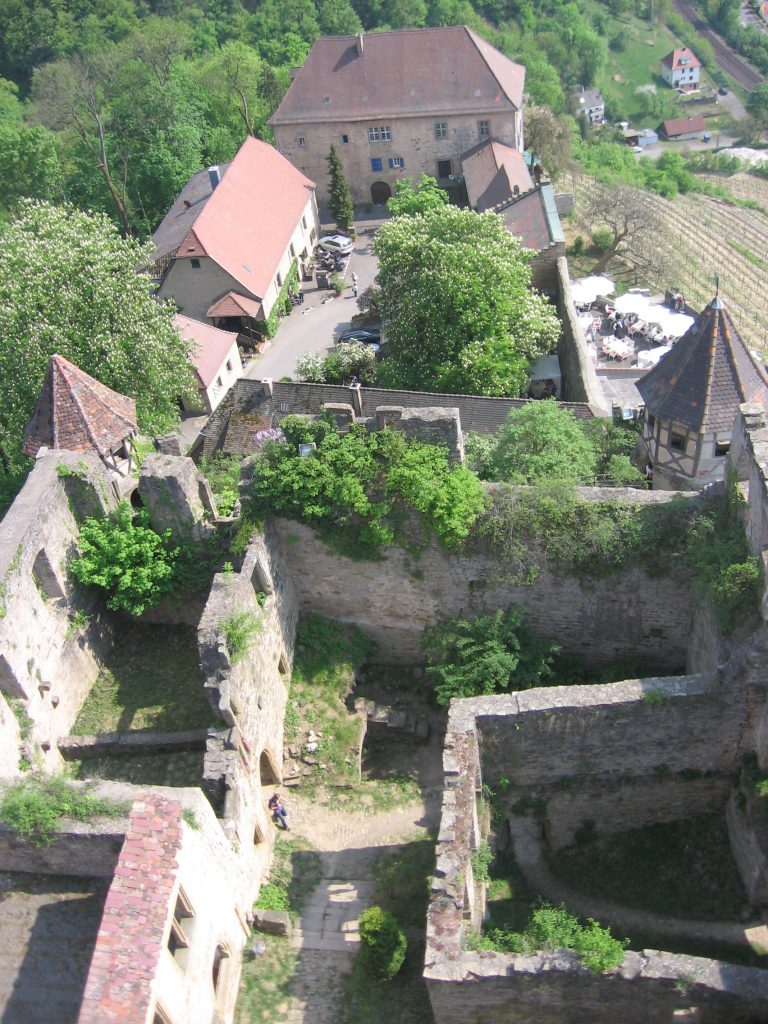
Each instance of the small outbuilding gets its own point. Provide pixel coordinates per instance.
(215, 357)
(78, 413)
(681, 128)
(692, 397)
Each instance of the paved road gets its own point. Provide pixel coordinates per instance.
(727, 60)
(312, 326)
(723, 142)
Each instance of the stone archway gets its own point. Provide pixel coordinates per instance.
(380, 193)
(268, 770)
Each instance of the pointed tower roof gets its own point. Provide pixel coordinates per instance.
(78, 413)
(702, 382)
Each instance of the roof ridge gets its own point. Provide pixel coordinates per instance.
(475, 40)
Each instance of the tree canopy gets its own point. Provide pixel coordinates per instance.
(410, 198)
(459, 311)
(68, 285)
(541, 442)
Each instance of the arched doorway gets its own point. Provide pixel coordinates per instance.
(267, 769)
(380, 193)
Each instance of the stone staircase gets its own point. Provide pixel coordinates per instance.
(329, 921)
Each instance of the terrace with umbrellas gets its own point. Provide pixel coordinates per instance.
(628, 335)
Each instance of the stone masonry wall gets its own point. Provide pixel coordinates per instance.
(393, 599)
(555, 729)
(249, 694)
(581, 383)
(44, 661)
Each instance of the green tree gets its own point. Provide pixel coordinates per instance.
(68, 285)
(340, 198)
(548, 138)
(542, 442)
(490, 654)
(123, 556)
(29, 164)
(459, 311)
(757, 104)
(410, 199)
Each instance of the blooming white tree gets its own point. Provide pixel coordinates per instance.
(69, 285)
(456, 299)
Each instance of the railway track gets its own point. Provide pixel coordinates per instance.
(733, 65)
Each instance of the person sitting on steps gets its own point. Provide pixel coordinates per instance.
(279, 813)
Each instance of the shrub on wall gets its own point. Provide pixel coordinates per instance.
(357, 487)
(123, 556)
(34, 808)
(383, 944)
(489, 654)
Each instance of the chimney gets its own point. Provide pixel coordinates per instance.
(267, 384)
(359, 45)
(215, 175)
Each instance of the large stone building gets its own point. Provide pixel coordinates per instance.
(224, 250)
(398, 103)
(692, 398)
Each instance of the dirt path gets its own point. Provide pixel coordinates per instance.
(350, 842)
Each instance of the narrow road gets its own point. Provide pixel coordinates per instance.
(733, 65)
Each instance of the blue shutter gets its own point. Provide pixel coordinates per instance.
(376, 163)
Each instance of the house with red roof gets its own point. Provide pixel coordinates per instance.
(681, 128)
(681, 69)
(215, 357)
(225, 249)
(398, 104)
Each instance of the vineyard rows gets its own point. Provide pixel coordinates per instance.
(697, 233)
(742, 186)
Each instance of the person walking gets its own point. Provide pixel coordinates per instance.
(354, 284)
(279, 813)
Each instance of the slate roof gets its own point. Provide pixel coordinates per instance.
(180, 219)
(208, 348)
(676, 59)
(248, 408)
(682, 126)
(408, 72)
(533, 218)
(707, 375)
(587, 99)
(78, 413)
(245, 225)
(492, 170)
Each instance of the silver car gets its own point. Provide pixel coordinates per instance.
(337, 243)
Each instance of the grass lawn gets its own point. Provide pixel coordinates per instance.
(637, 65)
(680, 869)
(151, 681)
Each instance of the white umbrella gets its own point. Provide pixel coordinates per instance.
(676, 324)
(587, 289)
(634, 303)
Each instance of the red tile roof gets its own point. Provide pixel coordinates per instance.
(409, 72)
(682, 126)
(707, 375)
(209, 347)
(233, 304)
(245, 224)
(132, 934)
(492, 170)
(533, 218)
(78, 413)
(682, 58)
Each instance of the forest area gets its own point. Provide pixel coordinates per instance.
(113, 105)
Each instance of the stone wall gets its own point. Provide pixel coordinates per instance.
(177, 496)
(46, 662)
(84, 849)
(249, 694)
(577, 740)
(580, 380)
(393, 599)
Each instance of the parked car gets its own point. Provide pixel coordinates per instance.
(337, 243)
(365, 336)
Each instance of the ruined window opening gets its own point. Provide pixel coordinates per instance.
(282, 666)
(260, 580)
(160, 1016)
(677, 442)
(181, 930)
(9, 684)
(219, 967)
(45, 576)
(258, 835)
(267, 773)
(722, 448)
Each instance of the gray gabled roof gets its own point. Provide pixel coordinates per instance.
(707, 375)
(408, 72)
(180, 219)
